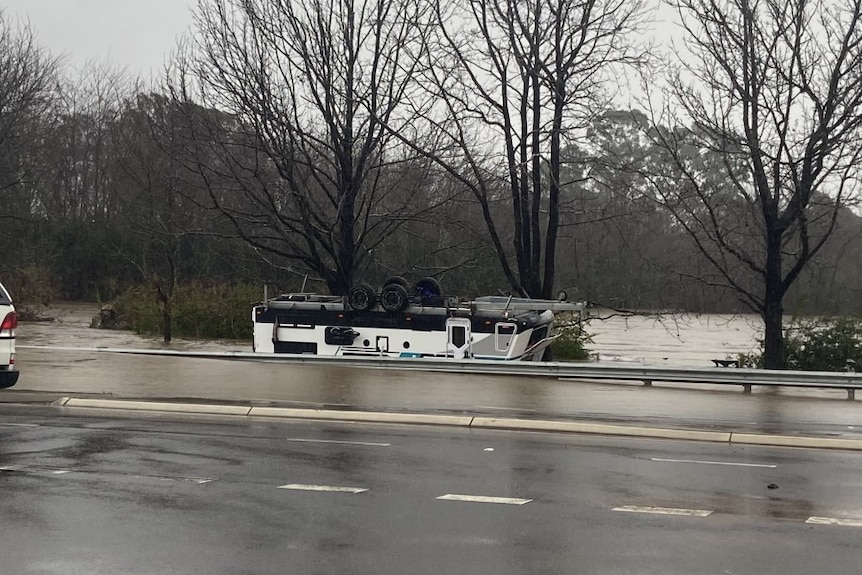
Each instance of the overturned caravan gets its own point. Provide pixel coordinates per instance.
(394, 324)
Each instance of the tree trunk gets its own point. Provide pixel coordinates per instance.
(167, 320)
(554, 191)
(773, 306)
(165, 295)
(773, 341)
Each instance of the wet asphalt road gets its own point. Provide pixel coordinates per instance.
(156, 494)
(83, 492)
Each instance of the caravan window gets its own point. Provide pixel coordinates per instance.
(503, 334)
(459, 336)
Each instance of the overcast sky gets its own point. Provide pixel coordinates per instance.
(137, 34)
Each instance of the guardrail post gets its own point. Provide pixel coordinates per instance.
(647, 383)
(851, 393)
(746, 388)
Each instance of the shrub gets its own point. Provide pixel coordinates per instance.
(820, 344)
(33, 289)
(573, 339)
(200, 311)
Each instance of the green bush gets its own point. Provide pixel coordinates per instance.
(820, 344)
(573, 339)
(32, 286)
(199, 311)
(33, 289)
(752, 360)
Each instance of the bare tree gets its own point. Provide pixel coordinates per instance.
(306, 170)
(513, 82)
(76, 177)
(161, 209)
(638, 249)
(763, 145)
(28, 77)
(74, 190)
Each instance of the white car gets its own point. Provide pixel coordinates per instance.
(8, 325)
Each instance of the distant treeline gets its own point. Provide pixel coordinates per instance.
(91, 234)
(105, 207)
(224, 177)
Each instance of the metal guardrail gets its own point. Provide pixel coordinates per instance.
(712, 375)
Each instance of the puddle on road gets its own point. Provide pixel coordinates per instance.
(774, 507)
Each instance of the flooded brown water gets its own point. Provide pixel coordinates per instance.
(68, 324)
(675, 341)
(681, 340)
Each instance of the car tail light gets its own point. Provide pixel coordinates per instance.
(9, 325)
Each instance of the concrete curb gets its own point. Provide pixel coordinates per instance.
(154, 406)
(470, 422)
(792, 441)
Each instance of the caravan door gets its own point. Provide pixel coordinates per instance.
(458, 337)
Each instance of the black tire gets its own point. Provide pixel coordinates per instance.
(394, 298)
(397, 280)
(429, 287)
(361, 297)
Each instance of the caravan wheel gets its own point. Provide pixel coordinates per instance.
(361, 297)
(394, 298)
(429, 287)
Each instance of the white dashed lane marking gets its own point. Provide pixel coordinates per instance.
(728, 463)
(483, 499)
(34, 470)
(664, 511)
(197, 480)
(360, 443)
(31, 470)
(325, 488)
(834, 521)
